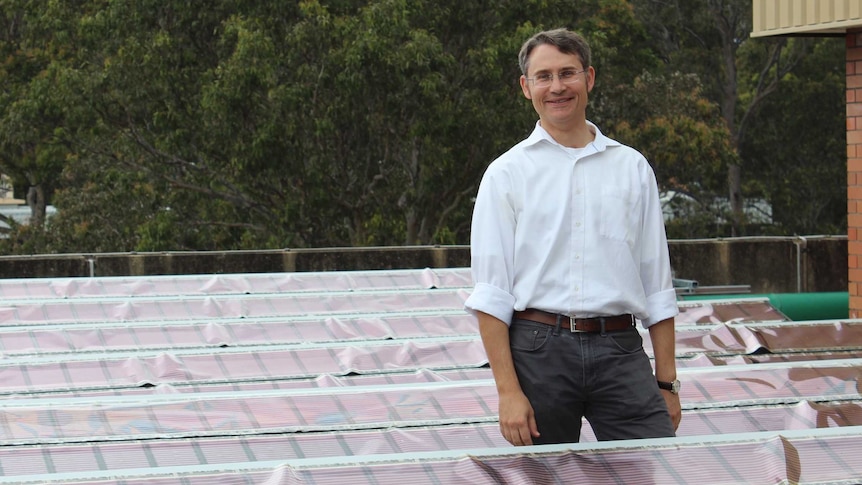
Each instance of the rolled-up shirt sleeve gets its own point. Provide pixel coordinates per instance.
(655, 260)
(492, 247)
(661, 305)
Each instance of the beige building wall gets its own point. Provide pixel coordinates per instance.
(804, 17)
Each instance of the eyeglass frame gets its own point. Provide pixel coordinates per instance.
(572, 77)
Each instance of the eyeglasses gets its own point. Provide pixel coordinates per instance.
(568, 76)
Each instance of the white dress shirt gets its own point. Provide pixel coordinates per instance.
(572, 231)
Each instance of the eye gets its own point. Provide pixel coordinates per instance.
(544, 77)
(568, 74)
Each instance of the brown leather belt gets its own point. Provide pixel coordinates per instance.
(611, 324)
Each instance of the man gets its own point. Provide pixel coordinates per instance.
(568, 252)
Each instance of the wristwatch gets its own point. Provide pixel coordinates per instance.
(673, 387)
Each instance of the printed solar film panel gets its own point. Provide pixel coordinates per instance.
(306, 375)
(118, 370)
(811, 456)
(308, 410)
(382, 379)
(30, 421)
(728, 310)
(69, 312)
(750, 338)
(238, 284)
(34, 312)
(218, 332)
(155, 453)
(16, 339)
(702, 360)
(697, 345)
(83, 370)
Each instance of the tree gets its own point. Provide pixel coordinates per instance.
(795, 144)
(31, 152)
(316, 124)
(679, 131)
(164, 126)
(705, 37)
(146, 72)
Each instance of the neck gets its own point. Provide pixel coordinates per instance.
(574, 135)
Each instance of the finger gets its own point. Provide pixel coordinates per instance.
(524, 436)
(513, 437)
(534, 428)
(506, 435)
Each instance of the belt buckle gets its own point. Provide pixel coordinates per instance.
(572, 324)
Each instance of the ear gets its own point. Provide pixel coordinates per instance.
(525, 88)
(591, 78)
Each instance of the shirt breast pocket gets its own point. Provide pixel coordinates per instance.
(617, 214)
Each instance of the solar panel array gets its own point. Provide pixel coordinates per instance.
(380, 377)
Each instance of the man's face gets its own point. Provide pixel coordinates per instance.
(560, 103)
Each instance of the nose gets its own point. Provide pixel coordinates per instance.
(557, 84)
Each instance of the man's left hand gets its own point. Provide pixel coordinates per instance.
(673, 407)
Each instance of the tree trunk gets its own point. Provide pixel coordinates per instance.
(37, 203)
(727, 27)
(734, 184)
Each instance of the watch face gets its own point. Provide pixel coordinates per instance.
(670, 386)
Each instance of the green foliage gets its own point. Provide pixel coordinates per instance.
(799, 162)
(677, 129)
(160, 125)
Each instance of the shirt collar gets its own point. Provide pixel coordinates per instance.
(600, 143)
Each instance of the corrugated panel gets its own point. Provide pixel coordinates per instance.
(782, 17)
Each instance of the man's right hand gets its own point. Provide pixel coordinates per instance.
(517, 420)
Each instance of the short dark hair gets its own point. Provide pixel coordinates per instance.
(565, 40)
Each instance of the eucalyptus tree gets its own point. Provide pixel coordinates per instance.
(297, 124)
(32, 40)
(145, 72)
(708, 38)
(796, 144)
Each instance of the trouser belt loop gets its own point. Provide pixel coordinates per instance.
(558, 326)
(602, 327)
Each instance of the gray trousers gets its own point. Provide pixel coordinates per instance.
(606, 379)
